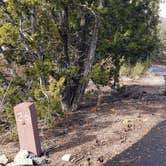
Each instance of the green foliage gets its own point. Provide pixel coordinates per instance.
(8, 34)
(48, 100)
(163, 38)
(43, 42)
(130, 30)
(100, 75)
(10, 96)
(133, 71)
(13, 136)
(161, 59)
(103, 71)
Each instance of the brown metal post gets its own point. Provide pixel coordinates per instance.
(26, 121)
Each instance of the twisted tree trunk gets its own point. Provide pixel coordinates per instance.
(72, 95)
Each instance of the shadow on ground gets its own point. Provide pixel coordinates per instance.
(137, 99)
(149, 151)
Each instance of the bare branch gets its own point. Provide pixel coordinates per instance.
(4, 96)
(92, 48)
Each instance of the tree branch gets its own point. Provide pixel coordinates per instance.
(92, 49)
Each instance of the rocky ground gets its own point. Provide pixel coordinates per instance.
(128, 129)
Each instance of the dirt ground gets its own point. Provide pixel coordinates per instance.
(128, 129)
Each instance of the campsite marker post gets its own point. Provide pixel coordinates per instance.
(26, 121)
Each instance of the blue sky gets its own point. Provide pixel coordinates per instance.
(163, 9)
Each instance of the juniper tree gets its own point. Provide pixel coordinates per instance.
(41, 38)
(42, 41)
(130, 32)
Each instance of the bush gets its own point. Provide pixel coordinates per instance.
(136, 70)
(99, 75)
(10, 95)
(46, 99)
(102, 73)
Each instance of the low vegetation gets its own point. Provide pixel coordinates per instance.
(134, 70)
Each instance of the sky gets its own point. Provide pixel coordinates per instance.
(163, 9)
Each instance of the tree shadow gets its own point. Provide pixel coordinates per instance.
(76, 141)
(79, 138)
(86, 120)
(144, 99)
(149, 151)
(165, 84)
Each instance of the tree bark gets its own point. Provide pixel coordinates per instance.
(33, 20)
(116, 72)
(72, 95)
(66, 36)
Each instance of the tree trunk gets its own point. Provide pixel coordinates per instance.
(72, 95)
(116, 72)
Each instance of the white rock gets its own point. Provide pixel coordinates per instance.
(3, 159)
(21, 162)
(24, 162)
(12, 164)
(22, 154)
(66, 157)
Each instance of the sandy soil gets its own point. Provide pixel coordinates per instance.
(103, 137)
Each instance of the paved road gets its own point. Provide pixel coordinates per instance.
(157, 69)
(149, 151)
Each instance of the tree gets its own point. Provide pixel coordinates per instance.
(130, 32)
(47, 44)
(50, 38)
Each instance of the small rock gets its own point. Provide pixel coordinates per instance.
(40, 160)
(66, 157)
(22, 154)
(144, 120)
(126, 121)
(22, 162)
(101, 159)
(129, 125)
(3, 159)
(84, 163)
(22, 159)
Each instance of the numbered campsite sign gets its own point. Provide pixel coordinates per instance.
(26, 121)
